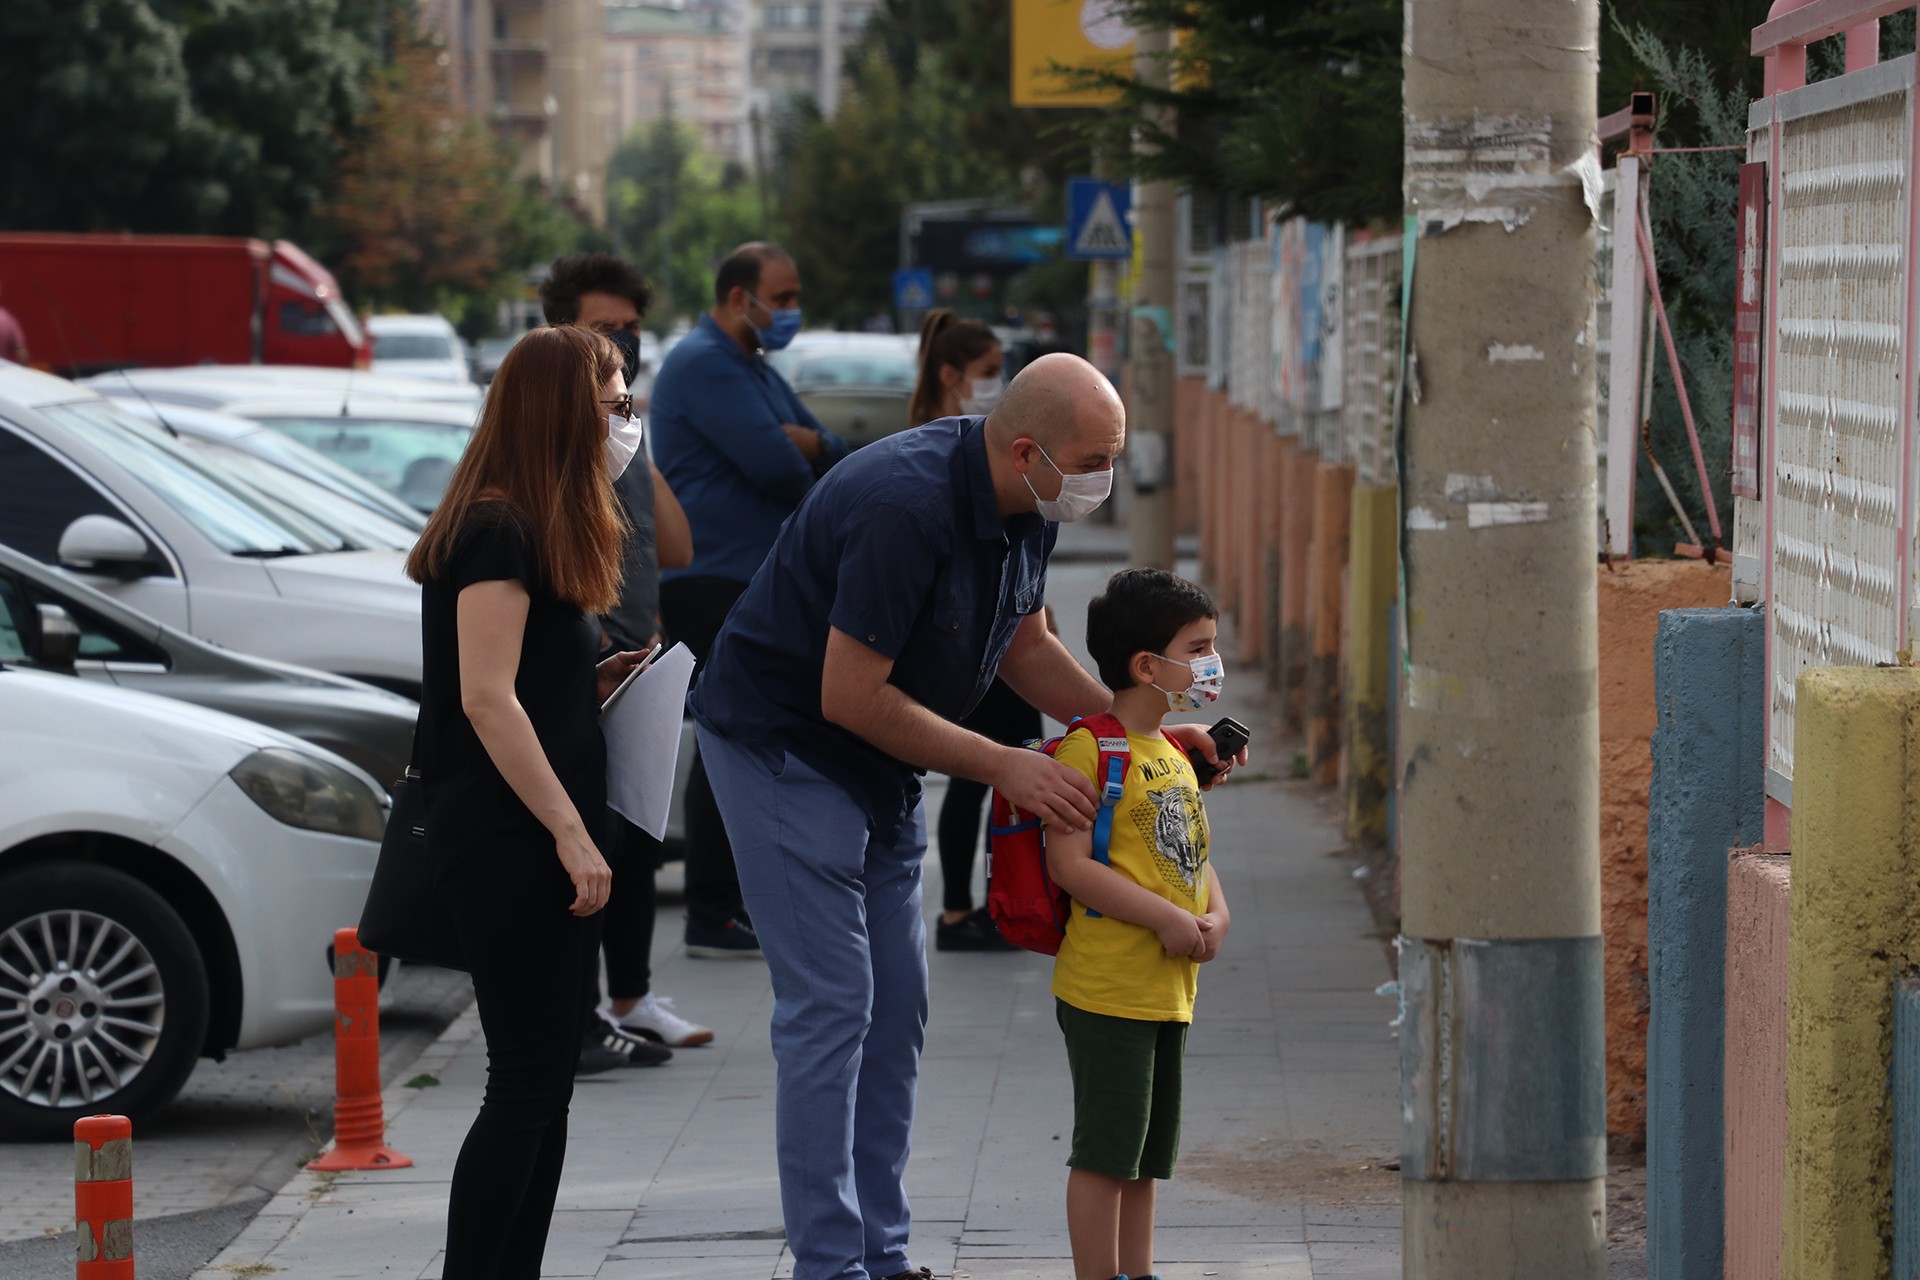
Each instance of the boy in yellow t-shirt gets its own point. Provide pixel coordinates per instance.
(1140, 926)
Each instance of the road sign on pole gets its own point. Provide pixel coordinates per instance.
(1097, 224)
(913, 289)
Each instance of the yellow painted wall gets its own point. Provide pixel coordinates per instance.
(1856, 861)
(1373, 567)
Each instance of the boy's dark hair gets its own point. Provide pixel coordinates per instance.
(741, 268)
(590, 273)
(1141, 611)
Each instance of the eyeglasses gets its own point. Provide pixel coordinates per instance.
(607, 328)
(624, 404)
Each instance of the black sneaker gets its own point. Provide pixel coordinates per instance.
(975, 931)
(733, 940)
(596, 1055)
(920, 1273)
(640, 1050)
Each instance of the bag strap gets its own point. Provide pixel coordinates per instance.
(1116, 757)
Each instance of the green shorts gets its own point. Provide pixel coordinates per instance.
(1126, 1092)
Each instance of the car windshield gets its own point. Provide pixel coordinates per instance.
(290, 455)
(412, 346)
(234, 518)
(865, 370)
(412, 460)
(346, 521)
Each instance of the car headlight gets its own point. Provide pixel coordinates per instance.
(304, 791)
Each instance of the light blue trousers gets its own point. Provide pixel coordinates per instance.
(838, 914)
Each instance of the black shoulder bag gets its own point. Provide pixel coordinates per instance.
(404, 916)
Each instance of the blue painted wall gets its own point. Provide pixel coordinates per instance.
(1707, 797)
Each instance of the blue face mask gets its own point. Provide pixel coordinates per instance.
(781, 330)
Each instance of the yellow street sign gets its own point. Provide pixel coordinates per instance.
(1082, 34)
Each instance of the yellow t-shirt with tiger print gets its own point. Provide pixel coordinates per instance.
(1159, 840)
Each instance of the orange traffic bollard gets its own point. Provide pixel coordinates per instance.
(103, 1197)
(359, 1118)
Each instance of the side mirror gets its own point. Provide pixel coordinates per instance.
(104, 545)
(59, 639)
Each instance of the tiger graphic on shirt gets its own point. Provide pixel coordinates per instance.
(1173, 823)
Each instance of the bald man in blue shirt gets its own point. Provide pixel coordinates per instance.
(910, 577)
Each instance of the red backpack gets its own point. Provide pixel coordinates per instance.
(1029, 908)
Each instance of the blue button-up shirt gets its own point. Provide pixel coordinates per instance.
(902, 547)
(715, 415)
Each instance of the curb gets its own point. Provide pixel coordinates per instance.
(279, 1217)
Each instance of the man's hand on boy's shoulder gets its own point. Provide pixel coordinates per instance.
(1036, 783)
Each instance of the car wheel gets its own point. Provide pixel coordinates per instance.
(103, 999)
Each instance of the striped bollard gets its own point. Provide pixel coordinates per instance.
(103, 1198)
(359, 1117)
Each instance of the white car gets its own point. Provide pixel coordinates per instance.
(223, 434)
(137, 515)
(418, 347)
(404, 445)
(407, 448)
(170, 878)
(209, 386)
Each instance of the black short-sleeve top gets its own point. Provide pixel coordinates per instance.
(467, 800)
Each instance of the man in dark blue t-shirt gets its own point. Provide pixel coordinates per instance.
(740, 451)
(911, 575)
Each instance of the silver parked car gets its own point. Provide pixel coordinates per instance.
(52, 621)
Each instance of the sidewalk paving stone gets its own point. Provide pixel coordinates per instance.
(1291, 1109)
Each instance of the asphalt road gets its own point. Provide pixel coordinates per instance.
(204, 1166)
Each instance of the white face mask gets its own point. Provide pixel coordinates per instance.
(623, 441)
(1079, 496)
(985, 395)
(1209, 677)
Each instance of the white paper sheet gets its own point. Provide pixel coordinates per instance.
(643, 741)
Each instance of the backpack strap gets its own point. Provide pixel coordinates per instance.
(1116, 757)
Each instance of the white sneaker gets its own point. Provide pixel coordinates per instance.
(654, 1018)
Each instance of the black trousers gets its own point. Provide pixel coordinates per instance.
(692, 611)
(626, 936)
(1006, 717)
(509, 898)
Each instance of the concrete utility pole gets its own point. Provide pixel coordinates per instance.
(1503, 1087)
(1150, 342)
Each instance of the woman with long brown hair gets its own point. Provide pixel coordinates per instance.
(515, 566)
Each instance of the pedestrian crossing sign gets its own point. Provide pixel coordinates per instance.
(1098, 225)
(913, 289)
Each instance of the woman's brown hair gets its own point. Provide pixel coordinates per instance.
(945, 341)
(540, 447)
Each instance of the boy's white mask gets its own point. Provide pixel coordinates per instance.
(1209, 677)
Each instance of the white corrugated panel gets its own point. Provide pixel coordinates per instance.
(1603, 352)
(1371, 363)
(1841, 225)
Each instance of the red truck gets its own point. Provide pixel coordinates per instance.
(91, 303)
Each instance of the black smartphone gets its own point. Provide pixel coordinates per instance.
(1229, 739)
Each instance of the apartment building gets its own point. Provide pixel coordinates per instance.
(688, 63)
(795, 49)
(533, 68)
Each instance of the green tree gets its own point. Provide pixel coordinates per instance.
(280, 85)
(425, 205)
(221, 116)
(675, 209)
(926, 114)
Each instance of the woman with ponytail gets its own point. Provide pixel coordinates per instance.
(960, 364)
(960, 367)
